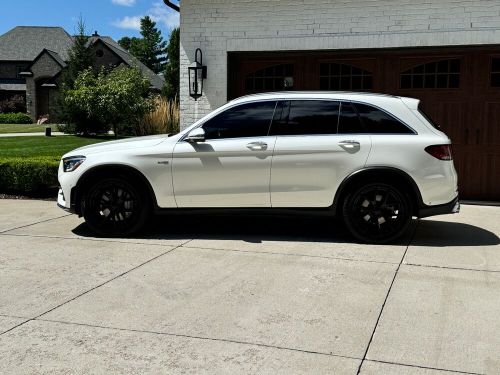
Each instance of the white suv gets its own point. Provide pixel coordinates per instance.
(375, 160)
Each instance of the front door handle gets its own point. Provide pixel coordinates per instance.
(257, 146)
(349, 144)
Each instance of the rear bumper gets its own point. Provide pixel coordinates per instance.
(451, 207)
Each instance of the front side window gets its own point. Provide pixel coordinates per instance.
(376, 121)
(246, 120)
(300, 117)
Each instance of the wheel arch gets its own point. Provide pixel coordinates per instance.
(371, 174)
(107, 170)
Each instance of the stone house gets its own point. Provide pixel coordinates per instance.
(446, 53)
(32, 59)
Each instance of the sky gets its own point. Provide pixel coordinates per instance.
(115, 18)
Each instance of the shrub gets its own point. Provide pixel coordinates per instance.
(163, 119)
(15, 118)
(117, 98)
(14, 104)
(28, 174)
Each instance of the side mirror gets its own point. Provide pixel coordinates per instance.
(196, 135)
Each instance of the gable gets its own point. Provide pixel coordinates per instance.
(45, 65)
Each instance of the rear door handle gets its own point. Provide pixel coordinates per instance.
(257, 146)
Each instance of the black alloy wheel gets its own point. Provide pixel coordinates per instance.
(377, 213)
(115, 207)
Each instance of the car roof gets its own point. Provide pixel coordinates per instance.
(338, 95)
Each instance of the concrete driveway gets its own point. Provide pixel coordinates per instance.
(233, 295)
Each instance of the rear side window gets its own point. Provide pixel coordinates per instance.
(377, 121)
(429, 120)
(300, 117)
(246, 120)
(349, 121)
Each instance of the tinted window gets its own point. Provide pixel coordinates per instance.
(349, 121)
(307, 117)
(429, 120)
(247, 120)
(376, 121)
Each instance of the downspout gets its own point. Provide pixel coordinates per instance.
(172, 5)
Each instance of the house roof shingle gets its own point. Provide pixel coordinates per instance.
(24, 43)
(156, 80)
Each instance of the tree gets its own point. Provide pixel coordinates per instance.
(171, 89)
(117, 99)
(80, 57)
(150, 49)
(133, 45)
(125, 42)
(154, 45)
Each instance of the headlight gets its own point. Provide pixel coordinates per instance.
(73, 162)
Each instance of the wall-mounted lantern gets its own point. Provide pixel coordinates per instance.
(197, 73)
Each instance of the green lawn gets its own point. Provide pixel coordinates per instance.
(24, 128)
(54, 146)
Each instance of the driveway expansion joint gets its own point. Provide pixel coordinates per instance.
(449, 268)
(287, 254)
(96, 287)
(198, 338)
(31, 224)
(18, 325)
(424, 367)
(410, 240)
(79, 238)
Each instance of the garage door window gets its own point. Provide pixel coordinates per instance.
(276, 78)
(443, 74)
(495, 72)
(307, 117)
(334, 76)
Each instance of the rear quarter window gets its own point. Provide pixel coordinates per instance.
(376, 121)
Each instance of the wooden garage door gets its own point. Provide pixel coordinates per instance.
(459, 89)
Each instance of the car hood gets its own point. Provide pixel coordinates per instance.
(120, 145)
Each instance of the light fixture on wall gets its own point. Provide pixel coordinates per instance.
(197, 73)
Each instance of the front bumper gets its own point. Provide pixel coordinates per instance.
(451, 207)
(61, 202)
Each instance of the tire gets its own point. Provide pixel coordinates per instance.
(115, 207)
(377, 213)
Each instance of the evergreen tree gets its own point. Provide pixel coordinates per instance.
(125, 42)
(171, 89)
(150, 49)
(80, 57)
(133, 45)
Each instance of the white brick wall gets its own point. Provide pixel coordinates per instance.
(219, 26)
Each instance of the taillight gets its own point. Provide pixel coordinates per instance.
(441, 152)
